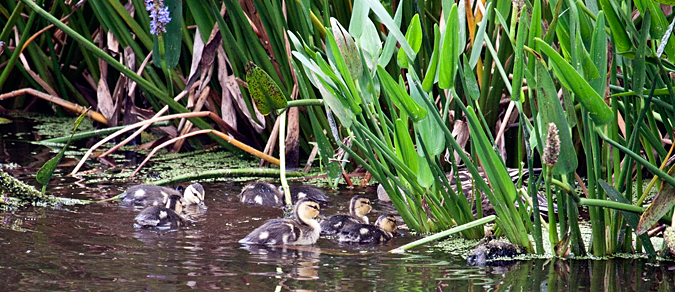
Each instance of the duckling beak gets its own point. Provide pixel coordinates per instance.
(322, 216)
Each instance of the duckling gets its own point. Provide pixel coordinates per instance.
(194, 195)
(266, 194)
(304, 230)
(364, 233)
(152, 195)
(358, 208)
(162, 217)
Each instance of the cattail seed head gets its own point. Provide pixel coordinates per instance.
(552, 148)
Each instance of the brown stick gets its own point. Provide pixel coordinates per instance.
(56, 100)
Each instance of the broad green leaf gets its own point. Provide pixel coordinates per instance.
(430, 75)
(172, 38)
(470, 82)
(425, 178)
(399, 97)
(348, 49)
(334, 55)
(405, 148)
(598, 109)
(359, 19)
(630, 217)
(431, 132)
(449, 51)
(551, 111)
(621, 39)
(414, 37)
(264, 91)
(370, 39)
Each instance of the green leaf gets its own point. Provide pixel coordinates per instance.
(405, 149)
(394, 29)
(470, 82)
(430, 131)
(348, 49)
(551, 111)
(264, 91)
(172, 37)
(492, 163)
(596, 106)
(449, 51)
(400, 97)
(599, 55)
(45, 172)
(640, 70)
(517, 82)
(202, 18)
(430, 75)
(414, 37)
(621, 39)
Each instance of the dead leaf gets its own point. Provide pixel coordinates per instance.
(663, 202)
(231, 94)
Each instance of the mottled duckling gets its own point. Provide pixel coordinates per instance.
(304, 230)
(266, 194)
(162, 217)
(359, 207)
(364, 233)
(152, 195)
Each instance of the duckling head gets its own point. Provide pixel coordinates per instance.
(194, 194)
(360, 206)
(386, 222)
(306, 210)
(175, 203)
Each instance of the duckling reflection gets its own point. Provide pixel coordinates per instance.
(364, 233)
(164, 217)
(152, 195)
(299, 263)
(304, 230)
(266, 194)
(359, 207)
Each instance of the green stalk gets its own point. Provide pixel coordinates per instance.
(445, 233)
(552, 226)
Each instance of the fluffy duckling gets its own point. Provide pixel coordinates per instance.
(364, 233)
(359, 207)
(162, 217)
(152, 195)
(304, 230)
(266, 194)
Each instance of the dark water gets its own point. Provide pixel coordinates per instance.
(95, 247)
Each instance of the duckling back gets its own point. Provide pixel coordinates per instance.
(364, 233)
(358, 208)
(147, 195)
(162, 217)
(304, 231)
(261, 193)
(266, 194)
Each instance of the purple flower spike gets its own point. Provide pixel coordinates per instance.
(159, 15)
